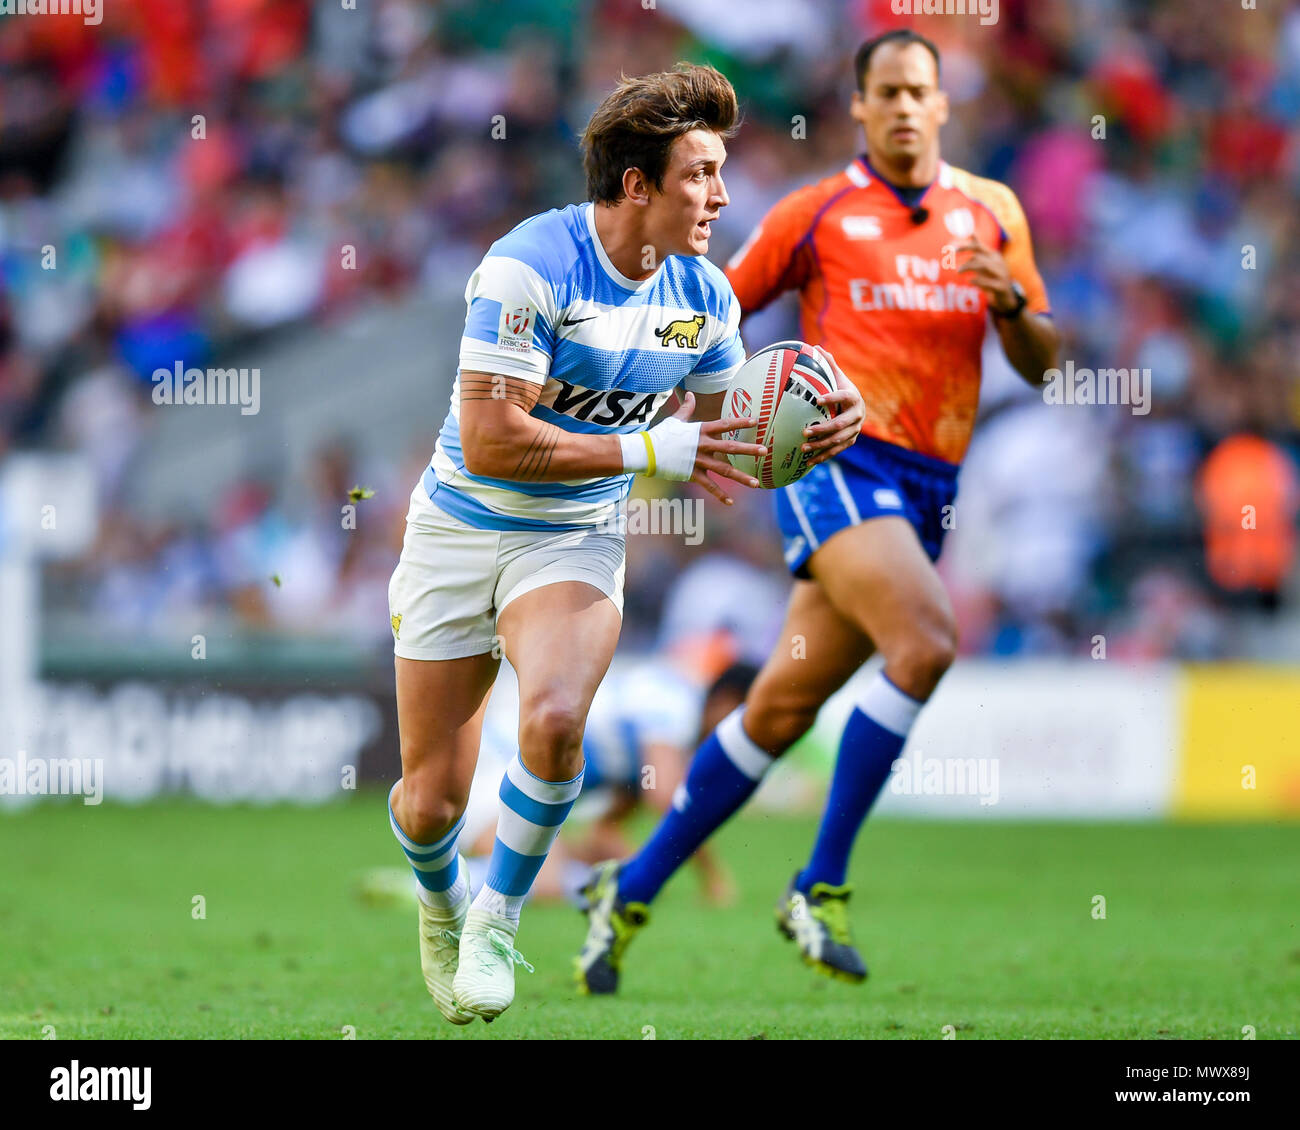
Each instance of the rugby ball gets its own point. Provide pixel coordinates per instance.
(779, 386)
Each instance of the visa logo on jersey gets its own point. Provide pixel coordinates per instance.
(611, 408)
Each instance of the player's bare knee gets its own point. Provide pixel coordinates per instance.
(427, 812)
(550, 735)
(776, 725)
(920, 661)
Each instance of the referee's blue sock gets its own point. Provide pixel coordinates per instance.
(871, 743)
(724, 773)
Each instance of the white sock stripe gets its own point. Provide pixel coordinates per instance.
(436, 864)
(886, 705)
(544, 792)
(442, 899)
(522, 835)
(740, 748)
(494, 902)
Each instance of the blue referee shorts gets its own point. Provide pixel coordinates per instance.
(870, 480)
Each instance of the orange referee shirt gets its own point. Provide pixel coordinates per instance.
(882, 293)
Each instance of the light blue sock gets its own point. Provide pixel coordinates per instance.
(724, 773)
(532, 811)
(436, 865)
(871, 743)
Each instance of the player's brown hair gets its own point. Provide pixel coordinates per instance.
(636, 125)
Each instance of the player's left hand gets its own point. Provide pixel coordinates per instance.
(840, 432)
(989, 271)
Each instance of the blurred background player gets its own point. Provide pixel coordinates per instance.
(644, 722)
(899, 261)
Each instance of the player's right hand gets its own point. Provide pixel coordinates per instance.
(711, 443)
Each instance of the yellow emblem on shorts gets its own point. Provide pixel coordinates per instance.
(397, 624)
(684, 331)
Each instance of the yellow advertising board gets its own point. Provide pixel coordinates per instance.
(1239, 755)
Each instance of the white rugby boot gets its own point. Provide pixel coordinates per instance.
(485, 981)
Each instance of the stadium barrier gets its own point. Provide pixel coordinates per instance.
(1028, 740)
(1084, 739)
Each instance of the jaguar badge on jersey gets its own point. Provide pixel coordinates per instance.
(684, 332)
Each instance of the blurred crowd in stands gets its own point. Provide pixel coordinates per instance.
(178, 181)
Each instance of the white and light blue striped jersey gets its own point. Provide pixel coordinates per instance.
(547, 305)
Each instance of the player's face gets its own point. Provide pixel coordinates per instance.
(680, 218)
(902, 107)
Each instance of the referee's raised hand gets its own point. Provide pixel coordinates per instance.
(989, 271)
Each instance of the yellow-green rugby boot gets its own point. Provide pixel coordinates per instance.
(818, 923)
(611, 925)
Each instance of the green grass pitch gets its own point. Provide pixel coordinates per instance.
(989, 928)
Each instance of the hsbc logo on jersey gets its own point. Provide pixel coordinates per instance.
(861, 227)
(611, 408)
(515, 330)
(960, 222)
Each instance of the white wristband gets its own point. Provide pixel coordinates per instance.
(636, 456)
(666, 451)
(675, 443)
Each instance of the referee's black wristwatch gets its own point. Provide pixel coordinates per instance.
(1022, 300)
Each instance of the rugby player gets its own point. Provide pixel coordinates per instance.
(899, 261)
(581, 323)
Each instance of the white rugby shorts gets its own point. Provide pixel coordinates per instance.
(453, 580)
